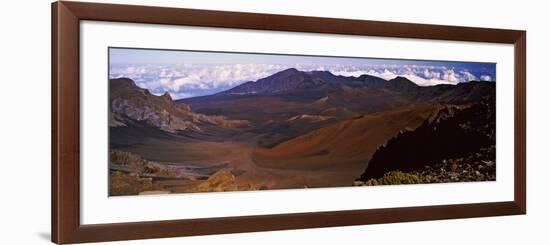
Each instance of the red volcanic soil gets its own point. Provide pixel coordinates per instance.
(350, 142)
(331, 156)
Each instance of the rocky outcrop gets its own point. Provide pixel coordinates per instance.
(124, 184)
(129, 102)
(127, 162)
(478, 166)
(222, 180)
(157, 117)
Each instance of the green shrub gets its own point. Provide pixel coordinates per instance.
(398, 178)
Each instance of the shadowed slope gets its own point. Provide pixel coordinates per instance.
(452, 133)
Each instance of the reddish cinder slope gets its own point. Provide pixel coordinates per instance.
(348, 142)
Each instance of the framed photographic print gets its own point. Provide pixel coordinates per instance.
(177, 122)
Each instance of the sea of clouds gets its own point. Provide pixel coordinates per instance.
(190, 80)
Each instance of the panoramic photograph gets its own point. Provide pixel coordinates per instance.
(204, 121)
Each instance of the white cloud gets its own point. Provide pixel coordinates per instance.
(177, 96)
(486, 78)
(467, 76)
(184, 80)
(431, 73)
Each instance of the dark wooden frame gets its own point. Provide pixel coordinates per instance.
(66, 227)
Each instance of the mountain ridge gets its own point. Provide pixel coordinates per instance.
(292, 81)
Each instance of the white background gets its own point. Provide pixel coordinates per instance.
(25, 136)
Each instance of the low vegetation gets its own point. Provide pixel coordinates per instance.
(398, 178)
(392, 178)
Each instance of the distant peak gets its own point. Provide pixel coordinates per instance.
(368, 76)
(123, 83)
(122, 80)
(167, 96)
(401, 79)
(322, 73)
(284, 73)
(290, 70)
(401, 84)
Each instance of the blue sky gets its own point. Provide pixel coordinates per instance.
(190, 73)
